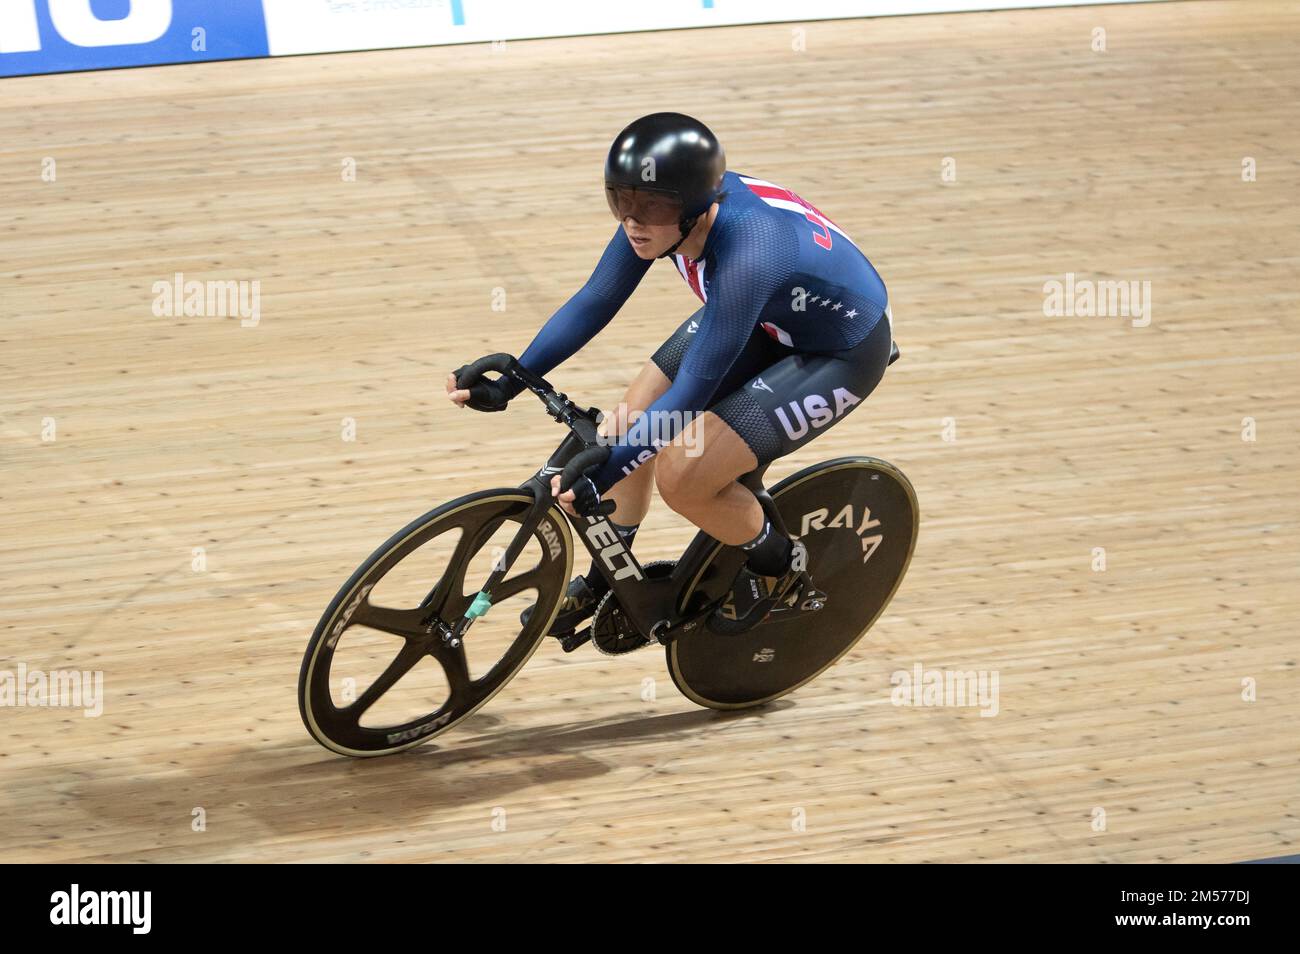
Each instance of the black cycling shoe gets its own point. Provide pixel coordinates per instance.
(578, 605)
(753, 598)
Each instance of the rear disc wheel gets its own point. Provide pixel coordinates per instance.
(858, 517)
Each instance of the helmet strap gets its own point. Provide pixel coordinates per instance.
(685, 226)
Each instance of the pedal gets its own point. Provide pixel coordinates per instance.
(571, 641)
(801, 596)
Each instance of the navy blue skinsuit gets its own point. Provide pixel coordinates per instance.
(790, 304)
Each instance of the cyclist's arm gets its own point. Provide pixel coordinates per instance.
(736, 300)
(579, 320)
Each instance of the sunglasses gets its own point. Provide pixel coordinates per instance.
(646, 206)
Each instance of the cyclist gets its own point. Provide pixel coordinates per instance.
(793, 334)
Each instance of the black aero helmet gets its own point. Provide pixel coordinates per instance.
(664, 168)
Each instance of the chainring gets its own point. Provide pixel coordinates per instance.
(611, 631)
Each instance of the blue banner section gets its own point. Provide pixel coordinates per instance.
(56, 36)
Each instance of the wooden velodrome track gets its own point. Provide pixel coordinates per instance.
(1120, 691)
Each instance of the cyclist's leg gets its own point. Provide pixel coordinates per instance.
(632, 493)
(779, 410)
(776, 412)
(696, 476)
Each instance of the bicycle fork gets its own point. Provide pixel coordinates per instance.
(454, 634)
(539, 485)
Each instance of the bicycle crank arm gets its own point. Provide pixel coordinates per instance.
(686, 624)
(806, 599)
(571, 641)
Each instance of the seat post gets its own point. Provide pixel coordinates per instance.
(754, 479)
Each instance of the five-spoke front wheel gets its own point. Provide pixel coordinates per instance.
(382, 674)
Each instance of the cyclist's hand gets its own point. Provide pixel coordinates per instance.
(458, 395)
(581, 499)
(483, 396)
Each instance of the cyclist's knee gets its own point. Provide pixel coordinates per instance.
(683, 480)
(671, 477)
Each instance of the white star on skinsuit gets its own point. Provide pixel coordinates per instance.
(825, 302)
(838, 306)
(813, 300)
(851, 314)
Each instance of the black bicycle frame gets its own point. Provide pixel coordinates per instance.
(650, 604)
